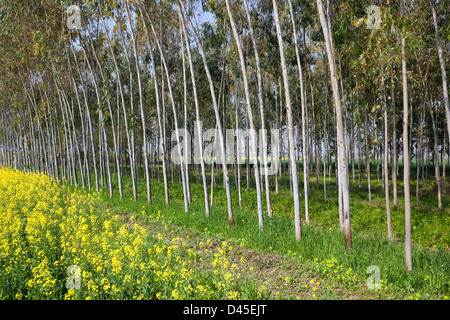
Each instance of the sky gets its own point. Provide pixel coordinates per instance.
(204, 17)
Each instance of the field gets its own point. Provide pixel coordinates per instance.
(128, 130)
(63, 242)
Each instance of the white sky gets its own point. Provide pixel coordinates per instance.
(205, 17)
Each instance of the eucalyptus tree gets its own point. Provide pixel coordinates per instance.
(290, 124)
(441, 63)
(103, 143)
(68, 121)
(367, 157)
(185, 105)
(419, 154)
(431, 106)
(67, 132)
(238, 149)
(122, 39)
(158, 107)
(197, 111)
(303, 102)
(88, 114)
(85, 170)
(54, 82)
(141, 102)
(250, 117)
(216, 113)
(406, 163)
(30, 114)
(394, 143)
(105, 93)
(385, 156)
(343, 170)
(175, 117)
(122, 102)
(261, 109)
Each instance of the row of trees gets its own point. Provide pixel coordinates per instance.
(92, 104)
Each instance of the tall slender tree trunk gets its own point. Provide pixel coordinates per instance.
(352, 146)
(426, 162)
(343, 174)
(250, 119)
(436, 155)
(261, 110)
(278, 125)
(161, 136)
(141, 104)
(385, 159)
(394, 143)
(359, 158)
(366, 137)
(197, 115)
(419, 156)
(289, 123)
(406, 164)
(175, 118)
(444, 185)
(442, 65)
(89, 120)
(133, 163)
(324, 158)
(213, 164)
(304, 103)
(187, 157)
(115, 143)
(216, 112)
(238, 148)
(102, 133)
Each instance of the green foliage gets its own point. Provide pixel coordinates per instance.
(322, 242)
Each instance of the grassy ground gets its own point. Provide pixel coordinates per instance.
(321, 252)
(278, 276)
(195, 257)
(49, 231)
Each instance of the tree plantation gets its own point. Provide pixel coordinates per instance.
(224, 149)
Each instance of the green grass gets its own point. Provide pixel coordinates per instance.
(322, 241)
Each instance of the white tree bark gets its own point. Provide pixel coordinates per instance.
(406, 163)
(385, 160)
(442, 64)
(250, 118)
(216, 112)
(290, 124)
(125, 116)
(141, 104)
(343, 170)
(175, 117)
(261, 110)
(303, 102)
(162, 140)
(197, 114)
